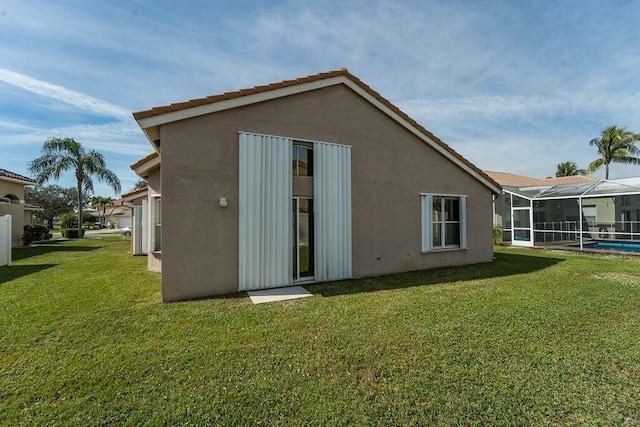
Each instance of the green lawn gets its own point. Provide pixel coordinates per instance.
(536, 337)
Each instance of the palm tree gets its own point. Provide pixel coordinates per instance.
(567, 169)
(63, 154)
(141, 183)
(98, 202)
(615, 145)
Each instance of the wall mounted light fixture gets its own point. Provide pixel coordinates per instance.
(223, 202)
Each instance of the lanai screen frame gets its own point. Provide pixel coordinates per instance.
(579, 192)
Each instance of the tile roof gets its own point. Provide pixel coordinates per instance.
(576, 179)
(8, 174)
(139, 115)
(135, 192)
(505, 178)
(145, 159)
(247, 91)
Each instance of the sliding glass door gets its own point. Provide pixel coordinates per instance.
(303, 242)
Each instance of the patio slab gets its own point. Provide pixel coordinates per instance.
(278, 294)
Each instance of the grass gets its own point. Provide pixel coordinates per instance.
(536, 337)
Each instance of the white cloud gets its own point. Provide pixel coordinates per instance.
(122, 137)
(517, 105)
(77, 99)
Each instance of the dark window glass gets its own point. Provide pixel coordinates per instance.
(302, 161)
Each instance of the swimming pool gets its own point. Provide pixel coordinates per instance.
(614, 246)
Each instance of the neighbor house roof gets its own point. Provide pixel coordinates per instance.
(505, 178)
(135, 194)
(12, 176)
(151, 120)
(149, 162)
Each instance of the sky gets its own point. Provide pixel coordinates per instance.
(514, 86)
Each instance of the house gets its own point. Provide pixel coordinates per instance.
(12, 203)
(566, 210)
(138, 200)
(308, 180)
(116, 214)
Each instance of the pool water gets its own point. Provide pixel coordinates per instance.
(615, 246)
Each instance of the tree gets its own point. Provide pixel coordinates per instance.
(615, 145)
(101, 203)
(569, 169)
(53, 199)
(141, 183)
(64, 154)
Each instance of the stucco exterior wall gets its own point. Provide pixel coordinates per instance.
(15, 210)
(390, 167)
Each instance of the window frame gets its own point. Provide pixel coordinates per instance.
(427, 222)
(296, 162)
(155, 246)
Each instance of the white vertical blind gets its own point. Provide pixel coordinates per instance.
(265, 250)
(332, 204)
(427, 222)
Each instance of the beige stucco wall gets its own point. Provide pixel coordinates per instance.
(390, 167)
(154, 182)
(15, 210)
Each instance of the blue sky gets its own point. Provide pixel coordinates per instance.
(516, 86)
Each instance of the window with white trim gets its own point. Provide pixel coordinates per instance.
(444, 224)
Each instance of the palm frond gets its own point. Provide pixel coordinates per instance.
(595, 165)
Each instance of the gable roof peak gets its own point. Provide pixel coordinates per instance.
(151, 120)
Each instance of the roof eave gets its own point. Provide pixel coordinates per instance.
(17, 181)
(150, 124)
(145, 168)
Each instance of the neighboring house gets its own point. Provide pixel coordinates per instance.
(535, 212)
(307, 180)
(116, 215)
(138, 199)
(12, 203)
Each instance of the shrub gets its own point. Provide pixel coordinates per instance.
(71, 233)
(35, 232)
(68, 220)
(497, 234)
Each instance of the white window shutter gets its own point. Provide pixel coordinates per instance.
(332, 205)
(265, 255)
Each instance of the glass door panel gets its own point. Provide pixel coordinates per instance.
(303, 242)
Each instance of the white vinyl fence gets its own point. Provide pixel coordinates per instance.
(5, 240)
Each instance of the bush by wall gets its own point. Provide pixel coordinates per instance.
(36, 232)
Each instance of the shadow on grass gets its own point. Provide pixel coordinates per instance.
(9, 273)
(53, 246)
(504, 265)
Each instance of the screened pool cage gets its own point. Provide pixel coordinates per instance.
(570, 214)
